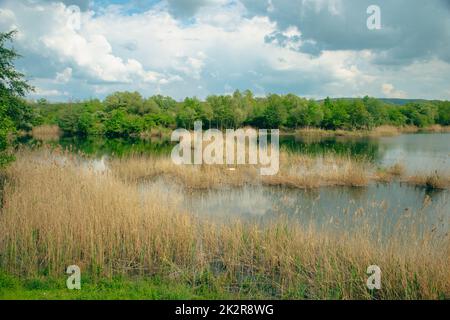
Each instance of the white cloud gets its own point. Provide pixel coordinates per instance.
(40, 92)
(64, 76)
(48, 32)
(94, 54)
(7, 15)
(390, 92)
(220, 46)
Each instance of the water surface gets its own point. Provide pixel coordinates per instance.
(418, 153)
(390, 207)
(386, 207)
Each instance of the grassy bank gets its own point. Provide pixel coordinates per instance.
(143, 288)
(381, 131)
(57, 213)
(53, 132)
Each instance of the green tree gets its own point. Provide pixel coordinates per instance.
(120, 123)
(358, 116)
(14, 113)
(131, 101)
(222, 111)
(69, 119)
(335, 114)
(6, 129)
(420, 114)
(443, 116)
(186, 117)
(315, 113)
(379, 111)
(275, 114)
(396, 117)
(86, 124)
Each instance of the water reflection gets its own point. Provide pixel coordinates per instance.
(419, 153)
(100, 146)
(422, 152)
(356, 147)
(382, 209)
(386, 206)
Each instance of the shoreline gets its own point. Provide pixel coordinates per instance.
(102, 224)
(53, 132)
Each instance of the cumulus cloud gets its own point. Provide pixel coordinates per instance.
(390, 92)
(91, 51)
(48, 92)
(82, 4)
(411, 29)
(201, 47)
(64, 76)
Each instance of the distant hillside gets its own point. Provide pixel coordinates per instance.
(399, 102)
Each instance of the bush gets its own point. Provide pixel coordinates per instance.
(6, 128)
(120, 123)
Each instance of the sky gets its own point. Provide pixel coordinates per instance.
(80, 49)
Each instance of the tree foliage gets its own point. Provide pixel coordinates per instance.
(128, 113)
(15, 113)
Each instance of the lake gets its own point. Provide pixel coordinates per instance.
(391, 205)
(418, 152)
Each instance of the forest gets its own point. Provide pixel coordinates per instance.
(129, 113)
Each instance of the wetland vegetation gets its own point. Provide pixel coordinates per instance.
(90, 183)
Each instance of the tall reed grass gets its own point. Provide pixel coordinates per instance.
(300, 171)
(46, 132)
(58, 213)
(380, 131)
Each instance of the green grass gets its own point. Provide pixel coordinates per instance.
(46, 288)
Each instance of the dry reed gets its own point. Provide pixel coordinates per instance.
(46, 132)
(388, 174)
(437, 129)
(430, 181)
(385, 131)
(57, 214)
(380, 131)
(299, 171)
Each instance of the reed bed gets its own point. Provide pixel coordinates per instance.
(317, 132)
(306, 171)
(46, 132)
(430, 181)
(437, 129)
(161, 133)
(299, 171)
(385, 131)
(57, 214)
(395, 171)
(296, 171)
(380, 131)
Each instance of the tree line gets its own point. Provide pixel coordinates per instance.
(15, 113)
(128, 113)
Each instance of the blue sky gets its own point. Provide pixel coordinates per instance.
(313, 48)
